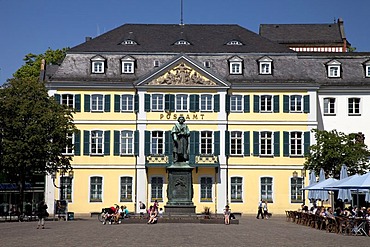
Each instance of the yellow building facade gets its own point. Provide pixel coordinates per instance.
(250, 124)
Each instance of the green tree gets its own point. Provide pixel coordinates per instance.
(34, 129)
(333, 149)
(31, 68)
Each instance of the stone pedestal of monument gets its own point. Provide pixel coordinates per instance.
(180, 189)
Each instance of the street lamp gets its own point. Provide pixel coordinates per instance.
(53, 176)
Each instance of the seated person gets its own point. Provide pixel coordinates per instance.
(108, 215)
(124, 212)
(153, 217)
(227, 215)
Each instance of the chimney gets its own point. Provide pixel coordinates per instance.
(42, 70)
(342, 34)
(87, 39)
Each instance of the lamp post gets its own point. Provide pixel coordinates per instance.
(303, 175)
(64, 185)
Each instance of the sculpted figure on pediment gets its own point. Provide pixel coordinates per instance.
(181, 75)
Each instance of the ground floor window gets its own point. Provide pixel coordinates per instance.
(236, 189)
(296, 192)
(266, 189)
(157, 188)
(206, 189)
(96, 189)
(126, 189)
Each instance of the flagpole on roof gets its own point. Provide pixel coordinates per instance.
(181, 14)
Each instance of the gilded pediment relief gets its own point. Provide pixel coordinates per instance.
(182, 75)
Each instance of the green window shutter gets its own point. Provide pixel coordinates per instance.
(216, 103)
(256, 103)
(256, 143)
(136, 143)
(169, 102)
(86, 142)
(216, 143)
(172, 103)
(107, 142)
(147, 142)
(286, 103)
(136, 103)
(306, 103)
(194, 146)
(194, 103)
(247, 145)
(246, 103)
(227, 106)
(117, 103)
(107, 103)
(78, 102)
(286, 144)
(147, 102)
(227, 143)
(57, 98)
(276, 103)
(307, 142)
(87, 103)
(168, 149)
(77, 144)
(277, 143)
(116, 148)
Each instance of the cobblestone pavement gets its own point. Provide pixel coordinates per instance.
(250, 232)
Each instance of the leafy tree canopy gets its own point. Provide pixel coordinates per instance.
(333, 149)
(31, 68)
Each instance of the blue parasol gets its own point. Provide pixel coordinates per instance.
(344, 194)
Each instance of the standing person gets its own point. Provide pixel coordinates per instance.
(180, 135)
(265, 211)
(227, 215)
(259, 210)
(42, 213)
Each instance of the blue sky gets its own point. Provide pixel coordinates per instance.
(32, 26)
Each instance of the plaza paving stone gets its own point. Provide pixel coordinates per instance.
(249, 232)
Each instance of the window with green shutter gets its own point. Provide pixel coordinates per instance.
(277, 143)
(87, 103)
(216, 101)
(276, 104)
(246, 103)
(77, 143)
(107, 142)
(194, 103)
(78, 102)
(247, 148)
(306, 104)
(106, 103)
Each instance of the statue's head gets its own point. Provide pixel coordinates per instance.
(181, 119)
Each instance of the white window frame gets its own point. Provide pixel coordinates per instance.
(95, 197)
(367, 70)
(296, 143)
(127, 102)
(266, 143)
(152, 197)
(97, 142)
(294, 189)
(206, 102)
(206, 142)
(128, 67)
(238, 195)
(266, 103)
(355, 105)
(234, 42)
(125, 189)
(98, 65)
(157, 102)
(329, 106)
(182, 42)
(236, 103)
(126, 142)
(69, 150)
(208, 190)
(334, 71)
(295, 103)
(97, 102)
(263, 196)
(68, 100)
(181, 102)
(236, 143)
(265, 68)
(66, 188)
(157, 146)
(235, 68)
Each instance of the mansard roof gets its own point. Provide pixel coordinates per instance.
(303, 33)
(156, 38)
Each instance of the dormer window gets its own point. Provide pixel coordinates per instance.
(182, 42)
(98, 65)
(156, 63)
(128, 65)
(333, 68)
(265, 66)
(236, 65)
(129, 42)
(234, 42)
(207, 64)
(367, 68)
